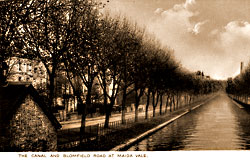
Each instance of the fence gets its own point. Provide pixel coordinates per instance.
(70, 137)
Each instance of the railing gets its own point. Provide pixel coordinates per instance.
(94, 132)
(71, 136)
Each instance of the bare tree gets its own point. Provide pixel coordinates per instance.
(46, 37)
(13, 14)
(109, 63)
(128, 44)
(81, 58)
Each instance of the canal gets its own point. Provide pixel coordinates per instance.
(217, 125)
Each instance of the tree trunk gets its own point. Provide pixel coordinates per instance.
(124, 96)
(174, 100)
(167, 103)
(147, 104)
(83, 120)
(171, 103)
(186, 99)
(190, 99)
(155, 102)
(161, 104)
(51, 88)
(177, 101)
(84, 113)
(137, 99)
(106, 106)
(136, 114)
(108, 113)
(153, 111)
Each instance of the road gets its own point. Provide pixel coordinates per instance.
(220, 124)
(101, 119)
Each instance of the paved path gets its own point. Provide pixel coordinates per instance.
(101, 119)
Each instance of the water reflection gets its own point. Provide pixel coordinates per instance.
(243, 120)
(218, 125)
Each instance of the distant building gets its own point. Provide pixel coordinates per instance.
(26, 123)
(200, 74)
(25, 70)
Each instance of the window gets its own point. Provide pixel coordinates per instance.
(35, 70)
(20, 66)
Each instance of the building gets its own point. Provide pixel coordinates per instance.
(241, 67)
(26, 123)
(25, 70)
(34, 72)
(65, 102)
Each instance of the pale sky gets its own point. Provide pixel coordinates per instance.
(208, 35)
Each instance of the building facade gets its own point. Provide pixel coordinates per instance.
(33, 72)
(25, 70)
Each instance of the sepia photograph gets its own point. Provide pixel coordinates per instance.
(118, 79)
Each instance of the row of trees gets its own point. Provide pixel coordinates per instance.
(238, 86)
(75, 38)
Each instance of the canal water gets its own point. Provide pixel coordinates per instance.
(217, 125)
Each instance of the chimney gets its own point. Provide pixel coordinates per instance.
(241, 66)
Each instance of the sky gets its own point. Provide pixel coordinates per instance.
(208, 35)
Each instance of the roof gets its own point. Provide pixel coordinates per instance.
(13, 95)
